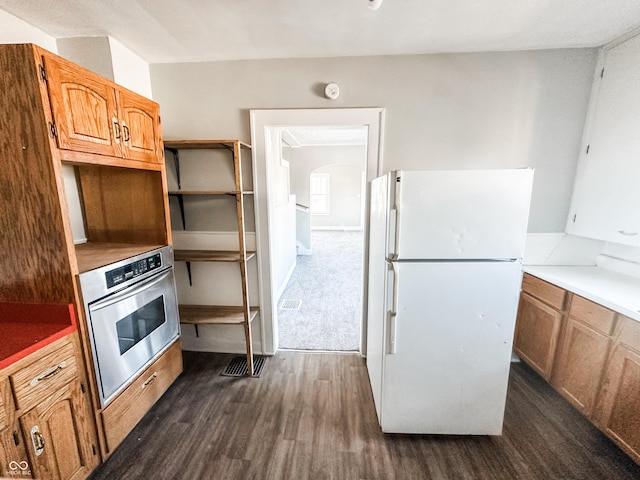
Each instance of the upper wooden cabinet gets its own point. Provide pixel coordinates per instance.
(606, 198)
(96, 116)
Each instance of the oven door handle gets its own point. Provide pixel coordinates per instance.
(129, 292)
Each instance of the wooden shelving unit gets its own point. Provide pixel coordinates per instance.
(218, 314)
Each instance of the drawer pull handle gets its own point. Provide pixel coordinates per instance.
(150, 379)
(48, 373)
(38, 440)
(628, 234)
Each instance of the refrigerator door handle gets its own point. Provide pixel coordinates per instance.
(392, 279)
(392, 235)
(392, 333)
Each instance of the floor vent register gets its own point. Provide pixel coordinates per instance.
(238, 367)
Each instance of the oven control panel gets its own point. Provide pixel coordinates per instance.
(132, 270)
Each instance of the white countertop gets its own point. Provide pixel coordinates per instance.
(613, 290)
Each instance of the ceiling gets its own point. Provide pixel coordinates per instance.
(165, 31)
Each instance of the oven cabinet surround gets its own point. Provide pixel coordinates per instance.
(590, 355)
(55, 114)
(606, 197)
(46, 425)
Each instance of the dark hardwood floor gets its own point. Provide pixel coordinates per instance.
(311, 416)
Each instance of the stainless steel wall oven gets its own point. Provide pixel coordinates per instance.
(132, 315)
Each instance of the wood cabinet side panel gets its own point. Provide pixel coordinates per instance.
(33, 250)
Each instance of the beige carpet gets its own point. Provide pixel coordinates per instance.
(328, 285)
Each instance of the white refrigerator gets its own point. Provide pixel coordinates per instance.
(445, 271)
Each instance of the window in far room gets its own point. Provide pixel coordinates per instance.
(320, 188)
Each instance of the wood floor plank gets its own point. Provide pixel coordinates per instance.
(311, 416)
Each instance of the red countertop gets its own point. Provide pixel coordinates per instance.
(27, 327)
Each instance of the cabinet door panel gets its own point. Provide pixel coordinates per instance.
(57, 442)
(607, 197)
(537, 334)
(14, 462)
(84, 109)
(620, 405)
(581, 361)
(140, 126)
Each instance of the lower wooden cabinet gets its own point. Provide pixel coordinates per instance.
(121, 415)
(589, 354)
(58, 443)
(618, 409)
(582, 353)
(540, 313)
(48, 432)
(537, 334)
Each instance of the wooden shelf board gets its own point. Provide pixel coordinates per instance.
(214, 314)
(204, 192)
(203, 144)
(93, 255)
(210, 256)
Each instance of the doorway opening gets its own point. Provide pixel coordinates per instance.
(320, 307)
(276, 209)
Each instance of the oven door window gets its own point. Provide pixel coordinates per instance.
(136, 326)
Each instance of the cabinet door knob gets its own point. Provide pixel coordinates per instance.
(116, 129)
(126, 136)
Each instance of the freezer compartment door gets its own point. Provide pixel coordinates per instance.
(465, 214)
(454, 327)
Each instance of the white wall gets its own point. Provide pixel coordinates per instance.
(14, 30)
(130, 70)
(306, 160)
(476, 110)
(345, 198)
(109, 58)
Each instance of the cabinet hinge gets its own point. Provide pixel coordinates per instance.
(602, 72)
(93, 449)
(82, 387)
(16, 438)
(53, 131)
(43, 73)
(587, 150)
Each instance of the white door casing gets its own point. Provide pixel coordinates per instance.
(263, 121)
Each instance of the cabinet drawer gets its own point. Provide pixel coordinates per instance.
(33, 383)
(121, 415)
(548, 293)
(596, 316)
